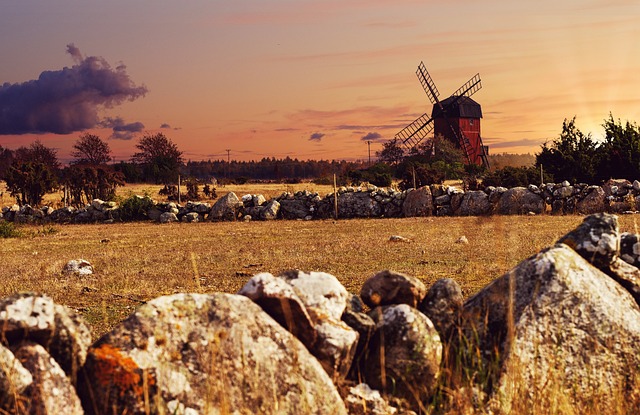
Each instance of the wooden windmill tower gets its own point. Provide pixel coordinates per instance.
(457, 118)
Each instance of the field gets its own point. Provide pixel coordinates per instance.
(135, 262)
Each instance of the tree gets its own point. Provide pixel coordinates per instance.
(159, 157)
(32, 173)
(91, 149)
(6, 157)
(391, 153)
(620, 150)
(574, 156)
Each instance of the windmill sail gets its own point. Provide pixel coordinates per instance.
(427, 83)
(414, 133)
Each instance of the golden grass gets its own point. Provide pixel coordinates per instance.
(139, 261)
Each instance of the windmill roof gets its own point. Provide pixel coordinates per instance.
(458, 107)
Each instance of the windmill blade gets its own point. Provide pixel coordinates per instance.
(427, 83)
(472, 86)
(414, 133)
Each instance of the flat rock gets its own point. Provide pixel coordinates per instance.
(197, 353)
(389, 287)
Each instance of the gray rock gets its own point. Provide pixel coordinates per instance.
(80, 267)
(196, 353)
(404, 354)
(565, 327)
(594, 202)
(51, 392)
(474, 203)
(596, 239)
(270, 210)
(228, 207)
(389, 287)
(418, 202)
(293, 209)
(362, 400)
(168, 217)
(36, 318)
(192, 217)
(519, 201)
(14, 380)
(443, 306)
(630, 248)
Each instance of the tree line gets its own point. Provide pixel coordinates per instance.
(32, 171)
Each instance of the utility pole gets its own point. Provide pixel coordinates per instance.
(228, 162)
(369, 145)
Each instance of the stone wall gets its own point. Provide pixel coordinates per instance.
(564, 322)
(615, 196)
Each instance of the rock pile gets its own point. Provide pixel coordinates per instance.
(561, 327)
(616, 196)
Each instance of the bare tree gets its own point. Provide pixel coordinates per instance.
(91, 149)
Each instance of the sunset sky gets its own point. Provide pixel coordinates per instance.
(309, 79)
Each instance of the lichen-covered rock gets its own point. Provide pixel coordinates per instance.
(228, 207)
(389, 287)
(36, 318)
(404, 354)
(418, 202)
(596, 239)
(555, 323)
(51, 392)
(443, 305)
(362, 400)
(319, 290)
(519, 201)
(14, 380)
(474, 203)
(197, 353)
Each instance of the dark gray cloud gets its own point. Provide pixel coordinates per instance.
(165, 125)
(66, 100)
(316, 137)
(122, 130)
(372, 137)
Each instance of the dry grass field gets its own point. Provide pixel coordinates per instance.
(135, 262)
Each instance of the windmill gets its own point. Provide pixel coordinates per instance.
(457, 118)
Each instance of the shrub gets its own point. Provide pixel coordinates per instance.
(9, 230)
(135, 208)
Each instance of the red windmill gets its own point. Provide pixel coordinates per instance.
(457, 118)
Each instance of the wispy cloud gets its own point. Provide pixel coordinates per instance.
(121, 129)
(316, 137)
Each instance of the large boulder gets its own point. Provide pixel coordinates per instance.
(519, 201)
(418, 202)
(228, 207)
(554, 323)
(404, 354)
(270, 210)
(197, 353)
(358, 205)
(474, 203)
(389, 287)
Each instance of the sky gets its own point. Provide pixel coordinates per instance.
(308, 79)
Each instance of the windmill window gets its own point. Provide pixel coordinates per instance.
(471, 122)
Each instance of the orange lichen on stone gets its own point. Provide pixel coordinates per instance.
(113, 369)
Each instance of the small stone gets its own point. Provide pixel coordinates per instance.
(462, 240)
(80, 267)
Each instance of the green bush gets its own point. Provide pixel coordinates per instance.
(135, 208)
(9, 230)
